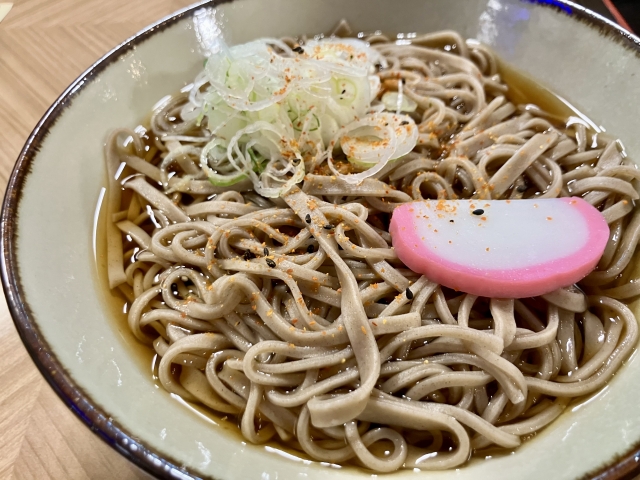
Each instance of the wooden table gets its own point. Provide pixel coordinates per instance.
(39, 437)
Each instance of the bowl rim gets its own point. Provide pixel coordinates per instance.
(625, 466)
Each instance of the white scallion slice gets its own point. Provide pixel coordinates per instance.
(370, 143)
(390, 101)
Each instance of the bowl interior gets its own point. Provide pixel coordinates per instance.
(55, 251)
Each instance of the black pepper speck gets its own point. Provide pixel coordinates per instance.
(478, 211)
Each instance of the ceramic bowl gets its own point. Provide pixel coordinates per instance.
(48, 230)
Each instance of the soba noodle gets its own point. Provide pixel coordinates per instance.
(295, 315)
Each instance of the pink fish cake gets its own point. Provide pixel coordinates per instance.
(500, 248)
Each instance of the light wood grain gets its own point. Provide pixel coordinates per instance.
(44, 46)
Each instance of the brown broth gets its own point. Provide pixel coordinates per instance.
(146, 358)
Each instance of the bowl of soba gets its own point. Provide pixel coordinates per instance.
(343, 239)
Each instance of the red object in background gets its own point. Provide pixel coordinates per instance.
(625, 13)
(616, 14)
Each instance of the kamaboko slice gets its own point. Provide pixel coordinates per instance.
(500, 248)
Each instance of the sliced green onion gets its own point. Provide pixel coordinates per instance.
(390, 101)
(346, 91)
(361, 165)
(259, 164)
(294, 120)
(226, 180)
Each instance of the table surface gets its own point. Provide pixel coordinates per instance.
(39, 437)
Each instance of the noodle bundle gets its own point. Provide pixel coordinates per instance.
(294, 315)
